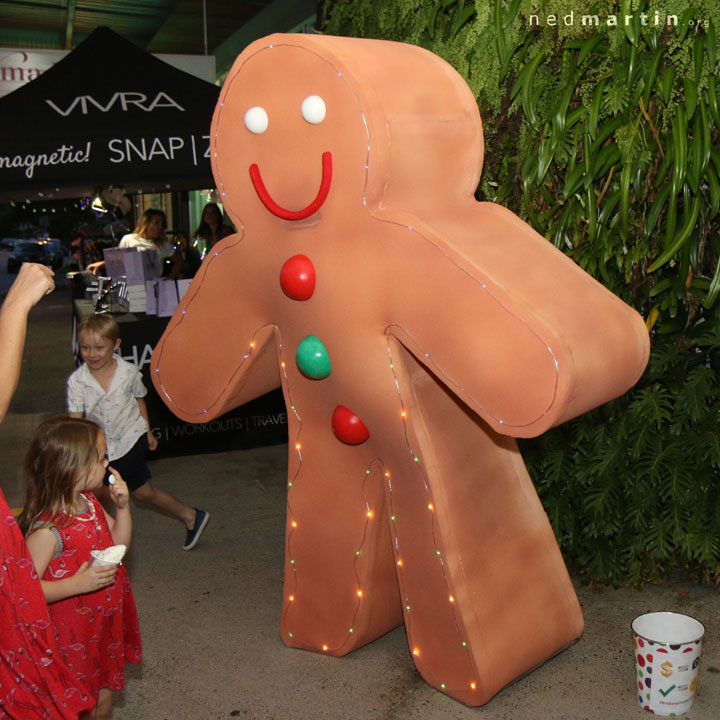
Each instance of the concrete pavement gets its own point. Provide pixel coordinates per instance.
(210, 617)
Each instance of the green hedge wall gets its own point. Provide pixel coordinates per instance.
(602, 128)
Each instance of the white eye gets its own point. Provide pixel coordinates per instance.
(256, 120)
(313, 109)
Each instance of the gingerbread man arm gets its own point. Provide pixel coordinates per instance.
(543, 342)
(201, 374)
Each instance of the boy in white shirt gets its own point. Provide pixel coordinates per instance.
(109, 391)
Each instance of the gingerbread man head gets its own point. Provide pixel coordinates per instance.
(311, 109)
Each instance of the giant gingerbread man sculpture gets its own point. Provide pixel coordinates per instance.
(414, 332)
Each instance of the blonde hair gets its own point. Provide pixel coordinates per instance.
(100, 324)
(144, 221)
(61, 450)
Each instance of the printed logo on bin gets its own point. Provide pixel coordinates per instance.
(667, 669)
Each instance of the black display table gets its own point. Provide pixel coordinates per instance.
(258, 423)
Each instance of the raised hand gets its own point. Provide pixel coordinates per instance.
(32, 283)
(119, 490)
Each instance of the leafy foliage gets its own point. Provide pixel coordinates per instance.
(636, 481)
(604, 134)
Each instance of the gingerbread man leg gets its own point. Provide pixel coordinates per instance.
(485, 590)
(340, 588)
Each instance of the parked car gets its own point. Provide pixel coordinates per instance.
(28, 251)
(55, 251)
(8, 243)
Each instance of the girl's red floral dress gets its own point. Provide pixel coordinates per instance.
(98, 632)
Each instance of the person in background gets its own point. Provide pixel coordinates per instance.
(189, 258)
(35, 683)
(210, 230)
(84, 251)
(110, 391)
(149, 234)
(91, 606)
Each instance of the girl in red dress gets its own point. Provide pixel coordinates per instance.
(91, 607)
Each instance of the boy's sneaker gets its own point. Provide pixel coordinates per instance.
(201, 520)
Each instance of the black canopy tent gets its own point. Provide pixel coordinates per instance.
(108, 113)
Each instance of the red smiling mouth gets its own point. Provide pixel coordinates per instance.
(281, 212)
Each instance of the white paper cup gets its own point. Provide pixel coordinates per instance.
(667, 655)
(95, 558)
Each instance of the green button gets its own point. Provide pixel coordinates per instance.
(312, 358)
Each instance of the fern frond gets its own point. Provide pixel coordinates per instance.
(654, 405)
(696, 394)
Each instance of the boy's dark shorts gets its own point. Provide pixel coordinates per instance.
(132, 466)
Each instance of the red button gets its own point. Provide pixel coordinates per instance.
(297, 278)
(348, 426)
